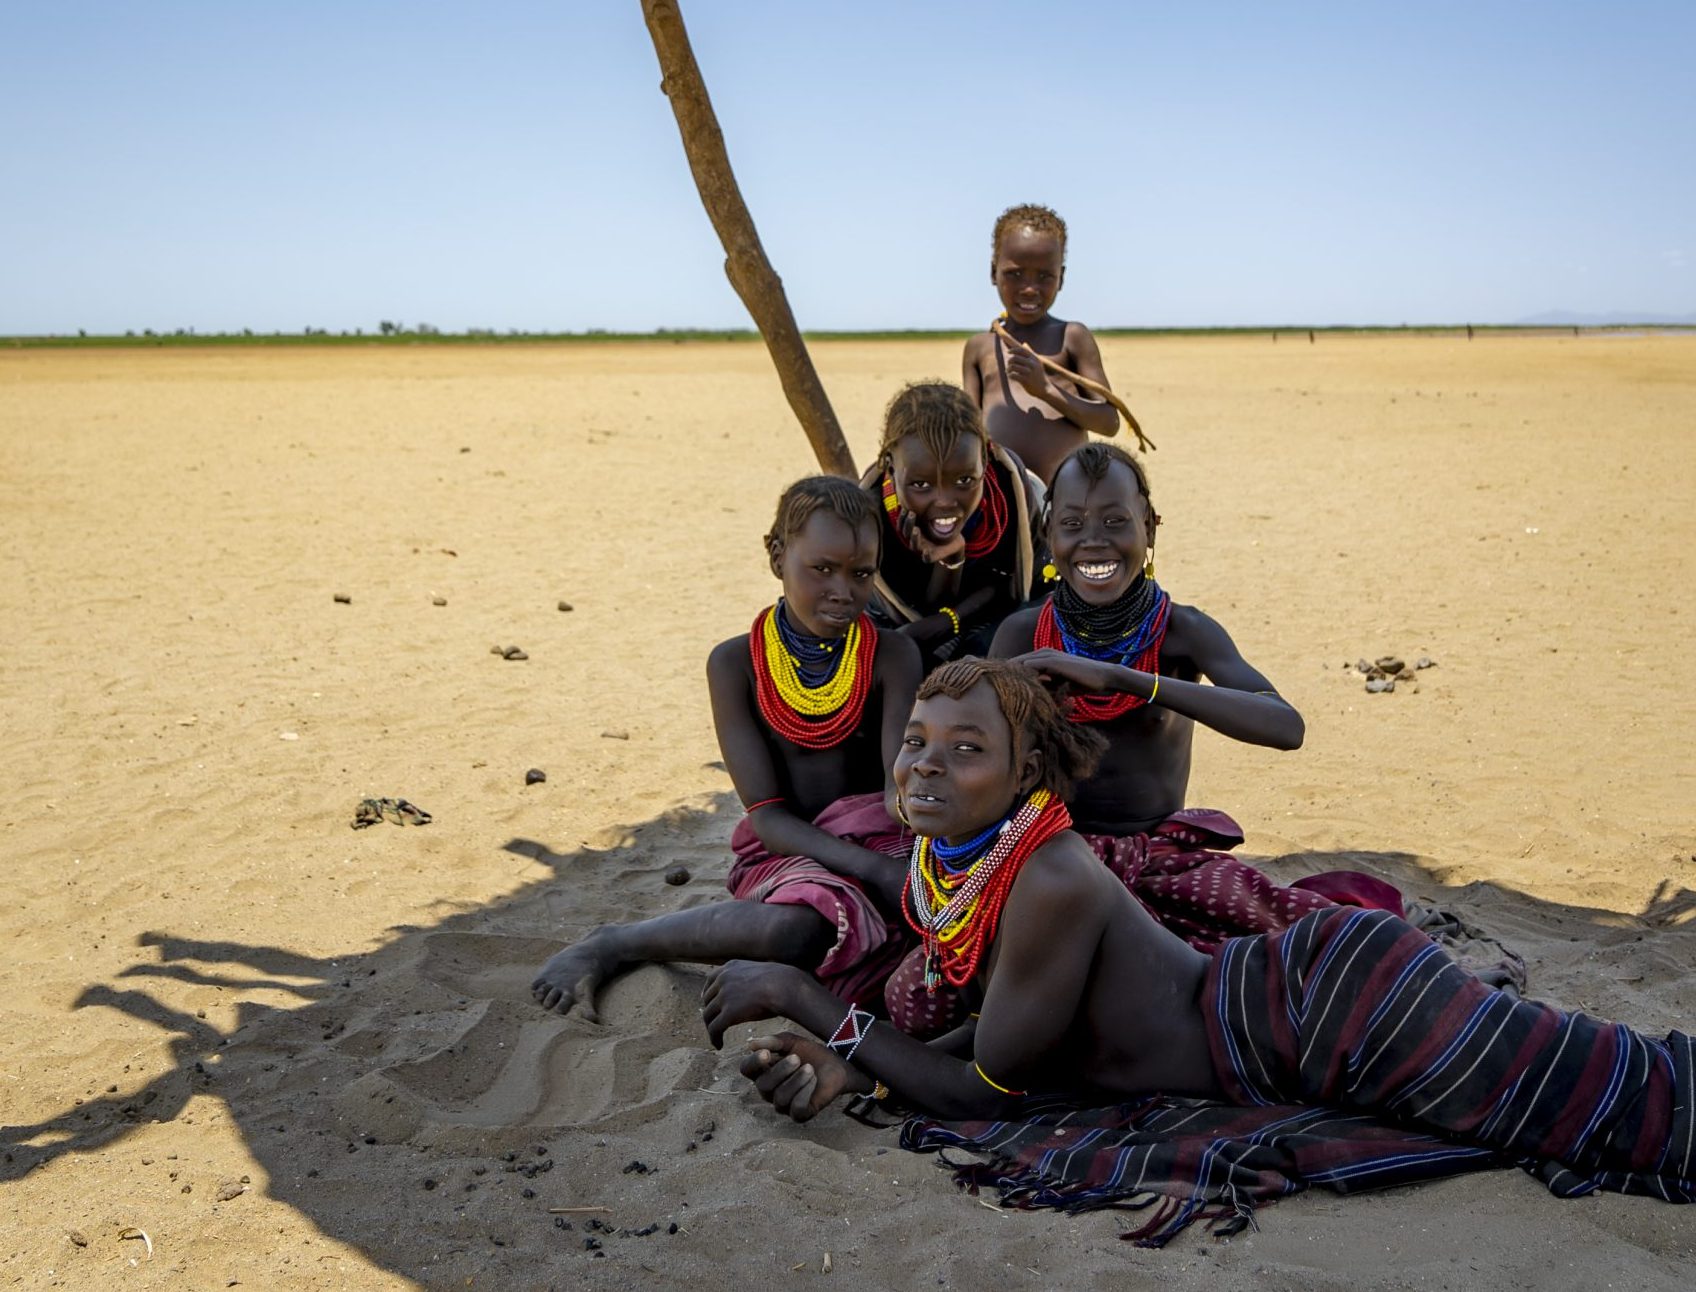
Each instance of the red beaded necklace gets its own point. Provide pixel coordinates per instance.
(985, 526)
(819, 730)
(955, 910)
(1101, 708)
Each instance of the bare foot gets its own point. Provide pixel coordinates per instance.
(571, 977)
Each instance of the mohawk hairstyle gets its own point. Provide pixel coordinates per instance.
(1028, 216)
(938, 412)
(1070, 751)
(842, 498)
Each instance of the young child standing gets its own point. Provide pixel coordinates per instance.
(1039, 416)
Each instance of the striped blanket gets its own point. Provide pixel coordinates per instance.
(1358, 1056)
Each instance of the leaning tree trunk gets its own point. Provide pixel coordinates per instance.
(745, 264)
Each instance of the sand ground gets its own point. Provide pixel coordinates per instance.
(212, 984)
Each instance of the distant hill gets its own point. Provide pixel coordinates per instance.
(1569, 318)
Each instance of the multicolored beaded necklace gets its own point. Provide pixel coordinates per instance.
(1130, 631)
(984, 527)
(811, 690)
(955, 893)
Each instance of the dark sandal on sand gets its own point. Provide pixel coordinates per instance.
(411, 813)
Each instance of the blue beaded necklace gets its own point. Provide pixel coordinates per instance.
(816, 658)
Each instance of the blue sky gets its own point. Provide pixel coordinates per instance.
(219, 165)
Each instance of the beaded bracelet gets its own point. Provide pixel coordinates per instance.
(880, 1092)
(953, 618)
(856, 1024)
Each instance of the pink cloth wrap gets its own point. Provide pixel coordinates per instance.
(1180, 873)
(868, 945)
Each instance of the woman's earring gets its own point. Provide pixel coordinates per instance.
(1148, 565)
(1049, 573)
(901, 811)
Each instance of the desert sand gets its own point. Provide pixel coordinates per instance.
(300, 1056)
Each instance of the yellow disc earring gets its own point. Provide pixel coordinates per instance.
(1049, 573)
(1148, 565)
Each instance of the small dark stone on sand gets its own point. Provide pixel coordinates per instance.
(615, 735)
(513, 652)
(535, 776)
(541, 1150)
(690, 1147)
(497, 650)
(1406, 675)
(466, 449)
(638, 1166)
(1378, 685)
(229, 1190)
(369, 1139)
(671, 1228)
(591, 1244)
(438, 601)
(527, 1193)
(344, 599)
(1390, 663)
(111, 1090)
(560, 1222)
(78, 1237)
(1362, 666)
(1425, 661)
(479, 1170)
(565, 606)
(645, 1230)
(677, 876)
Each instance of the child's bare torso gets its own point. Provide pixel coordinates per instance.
(1039, 435)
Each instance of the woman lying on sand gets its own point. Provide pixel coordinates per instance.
(1084, 995)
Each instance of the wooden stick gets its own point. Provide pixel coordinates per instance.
(1094, 387)
(745, 264)
(578, 1211)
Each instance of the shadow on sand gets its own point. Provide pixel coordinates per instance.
(424, 1070)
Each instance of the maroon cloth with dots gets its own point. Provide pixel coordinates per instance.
(868, 945)
(1179, 872)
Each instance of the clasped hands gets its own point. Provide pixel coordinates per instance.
(796, 1075)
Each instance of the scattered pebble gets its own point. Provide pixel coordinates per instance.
(565, 606)
(497, 650)
(677, 876)
(1380, 684)
(429, 1184)
(1390, 664)
(615, 735)
(230, 1189)
(78, 1237)
(438, 601)
(535, 776)
(1425, 661)
(466, 449)
(344, 599)
(638, 1166)
(288, 735)
(513, 652)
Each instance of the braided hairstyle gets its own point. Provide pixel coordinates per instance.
(939, 413)
(842, 498)
(1095, 459)
(1040, 219)
(1070, 751)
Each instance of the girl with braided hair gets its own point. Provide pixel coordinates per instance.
(1129, 662)
(808, 707)
(960, 551)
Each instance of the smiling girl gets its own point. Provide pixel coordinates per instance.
(960, 552)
